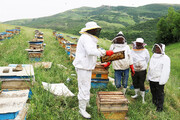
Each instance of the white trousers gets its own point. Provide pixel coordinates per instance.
(84, 83)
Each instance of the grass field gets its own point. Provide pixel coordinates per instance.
(46, 106)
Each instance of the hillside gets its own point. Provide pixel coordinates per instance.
(111, 19)
(46, 106)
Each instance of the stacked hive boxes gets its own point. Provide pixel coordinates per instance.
(99, 77)
(36, 46)
(112, 104)
(16, 83)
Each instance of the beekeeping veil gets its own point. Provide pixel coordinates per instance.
(91, 28)
(119, 39)
(160, 46)
(139, 44)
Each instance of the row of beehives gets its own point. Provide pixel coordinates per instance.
(113, 104)
(58, 34)
(36, 46)
(69, 47)
(9, 33)
(16, 81)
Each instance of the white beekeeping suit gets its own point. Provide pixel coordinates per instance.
(158, 75)
(159, 67)
(141, 58)
(84, 62)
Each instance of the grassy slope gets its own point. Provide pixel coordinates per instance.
(45, 106)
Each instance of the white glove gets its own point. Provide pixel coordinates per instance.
(102, 51)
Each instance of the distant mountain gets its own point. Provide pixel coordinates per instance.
(111, 19)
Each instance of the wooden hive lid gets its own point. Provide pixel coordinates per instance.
(112, 97)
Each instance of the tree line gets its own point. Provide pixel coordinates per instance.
(168, 27)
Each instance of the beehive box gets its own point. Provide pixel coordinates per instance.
(64, 41)
(99, 83)
(11, 31)
(35, 54)
(100, 72)
(13, 105)
(112, 104)
(36, 45)
(18, 28)
(72, 56)
(17, 80)
(73, 48)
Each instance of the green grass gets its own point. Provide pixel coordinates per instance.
(46, 106)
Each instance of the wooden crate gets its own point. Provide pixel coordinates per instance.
(112, 104)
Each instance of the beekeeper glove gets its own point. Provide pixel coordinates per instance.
(102, 51)
(107, 64)
(132, 70)
(109, 52)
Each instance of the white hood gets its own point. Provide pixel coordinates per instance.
(162, 49)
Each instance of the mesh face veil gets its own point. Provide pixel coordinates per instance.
(95, 32)
(119, 40)
(158, 48)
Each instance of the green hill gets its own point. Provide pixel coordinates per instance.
(111, 19)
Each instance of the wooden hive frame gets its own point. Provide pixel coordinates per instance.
(112, 104)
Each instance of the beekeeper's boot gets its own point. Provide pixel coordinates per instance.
(82, 109)
(143, 95)
(136, 93)
(124, 91)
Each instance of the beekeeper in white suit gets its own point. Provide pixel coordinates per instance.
(85, 61)
(158, 75)
(141, 58)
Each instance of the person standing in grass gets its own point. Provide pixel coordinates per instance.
(85, 61)
(122, 66)
(141, 58)
(158, 75)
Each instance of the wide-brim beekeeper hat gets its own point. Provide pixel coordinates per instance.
(89, 26)
(139, 40)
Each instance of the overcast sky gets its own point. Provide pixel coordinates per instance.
(20, 9)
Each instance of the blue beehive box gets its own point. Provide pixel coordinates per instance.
(8, 116)
(35, 59)
(99, 83)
